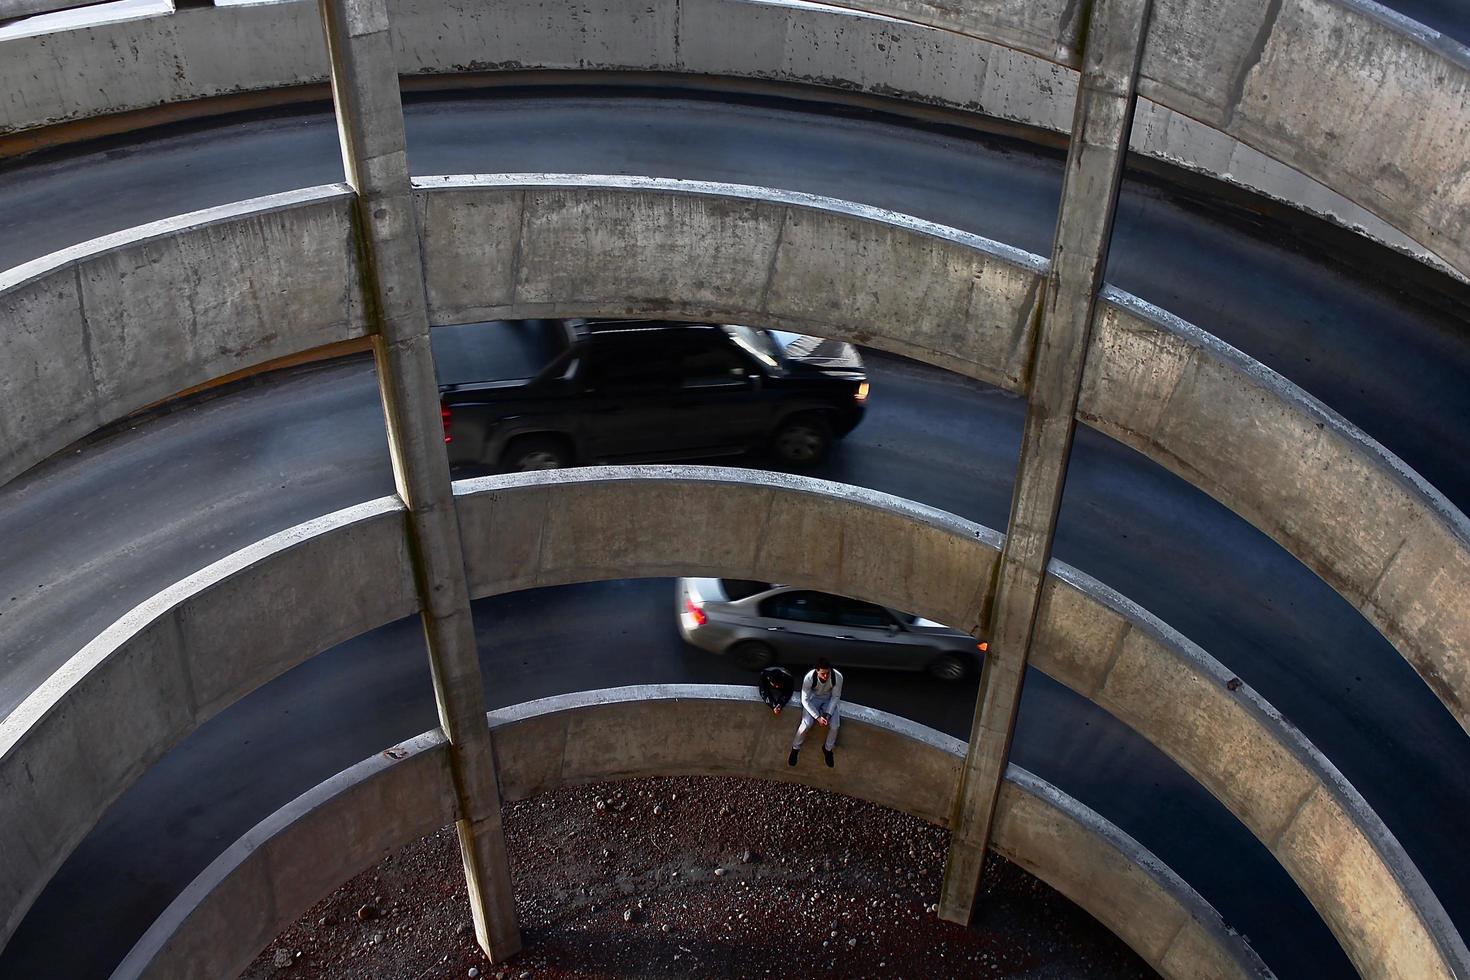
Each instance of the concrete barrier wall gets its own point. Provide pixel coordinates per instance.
(630, 245)
(102, 329)
(528, 530)
(299, 854)
(81, 739)
(1363, 100)
(1260, 766)
(1323, 489)
(531, 530)
(524, 530)
(1350, 510)
(97, 328)
(1011, 61)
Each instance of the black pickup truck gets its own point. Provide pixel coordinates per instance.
(541, 394)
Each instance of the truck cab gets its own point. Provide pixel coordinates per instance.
(537, 394)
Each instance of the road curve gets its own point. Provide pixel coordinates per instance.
(102, 530)
(1392, 363)
(929, 435)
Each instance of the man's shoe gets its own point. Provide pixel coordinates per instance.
(791, 759)
(827, 754)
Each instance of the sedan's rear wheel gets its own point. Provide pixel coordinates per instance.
(752, 654)
(947, 667)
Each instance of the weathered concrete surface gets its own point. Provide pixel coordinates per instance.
(1338, 89)
(528, 530)
(557, 245)
(1012, 61)
(1340, 502)
(1351, 511)
(268, 877)
(1044, 831)
(175, 661)
(180, 658)
(375, 159)
(1084, 230)
(29, 8)
(1261, 767)
(94, 332)
(189, 54)
(274, 873)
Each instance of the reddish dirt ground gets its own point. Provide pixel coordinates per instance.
(698, 877)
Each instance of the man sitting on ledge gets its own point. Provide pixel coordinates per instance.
(821, 704)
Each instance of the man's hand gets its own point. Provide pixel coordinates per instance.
(823, 721)
(776, 710)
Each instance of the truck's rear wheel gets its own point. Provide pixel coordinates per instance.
(535, 453)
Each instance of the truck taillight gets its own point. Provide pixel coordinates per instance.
(696, 615)
(447, 419)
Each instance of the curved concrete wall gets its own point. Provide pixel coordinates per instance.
(608, 245)
(104, 328)
(274, 873)
(1261, 767)
(531, 530)
(1326, 492)
(223, 633)
(175, 661)
(978, 62)
(635, 245)
(1349, 509)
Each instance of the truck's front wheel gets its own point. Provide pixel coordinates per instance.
(535, 453)
(802, 440)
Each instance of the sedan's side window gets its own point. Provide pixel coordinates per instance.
(803, 607)
(863, 615)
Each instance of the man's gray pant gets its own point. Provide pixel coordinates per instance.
(807, 721)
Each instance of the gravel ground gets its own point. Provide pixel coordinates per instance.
(698, 877)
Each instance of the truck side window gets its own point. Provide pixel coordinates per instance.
(620, 367)
(710, 366)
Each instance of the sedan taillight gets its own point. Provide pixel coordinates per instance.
(447, 418)
(696, 614)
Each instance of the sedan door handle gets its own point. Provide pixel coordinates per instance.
(775, 629)
(847, 638)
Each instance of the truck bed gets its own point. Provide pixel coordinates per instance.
(495, 351)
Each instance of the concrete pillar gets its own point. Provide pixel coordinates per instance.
(1112, 49)
(370, 122)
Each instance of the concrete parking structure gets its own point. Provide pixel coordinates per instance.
(268, 878)
(112, 325)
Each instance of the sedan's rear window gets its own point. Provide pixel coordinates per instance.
(741, 588)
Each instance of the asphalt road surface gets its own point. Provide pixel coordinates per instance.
(96, 532)
(1345, 326)
(929, 435)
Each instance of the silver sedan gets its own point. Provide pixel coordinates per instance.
(756, 624)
